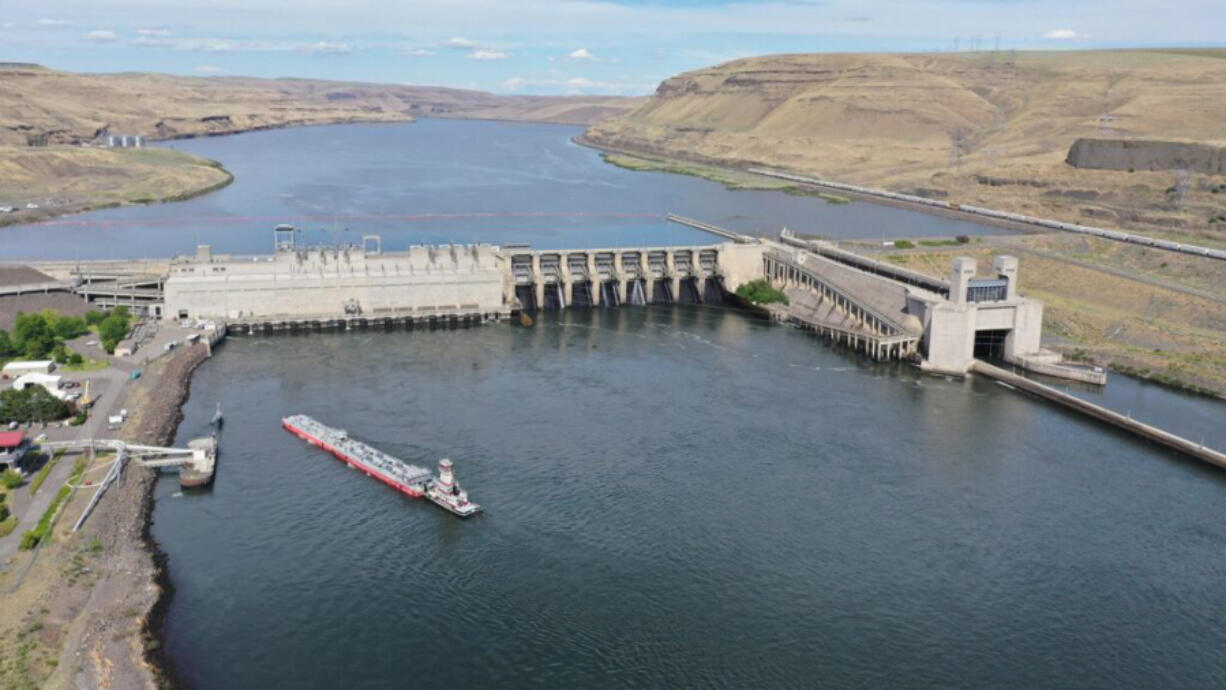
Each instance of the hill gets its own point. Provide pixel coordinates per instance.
(986, 128)
(70, 108)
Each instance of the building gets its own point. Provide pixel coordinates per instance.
(338, 281)
(13, 447)
(16, 369)
(983, 317)
(49, 381)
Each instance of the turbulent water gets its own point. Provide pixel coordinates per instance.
(443, 181)
(682, 497)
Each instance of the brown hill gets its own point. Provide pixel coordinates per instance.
(990, 128)
(77, 108)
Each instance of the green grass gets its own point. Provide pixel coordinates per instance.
(42, 474)
(89, 365)
(41, 531)
(808, 191)
(8, 525)
(939, 243)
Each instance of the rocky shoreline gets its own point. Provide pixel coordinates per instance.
(105, 653)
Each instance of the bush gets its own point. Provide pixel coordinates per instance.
(76, 359)
(904, 244)
(11, 479)
(760, 292)
(78, 419)
(29, 539)
(962, 239)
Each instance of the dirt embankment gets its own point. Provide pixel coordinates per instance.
(990, 129)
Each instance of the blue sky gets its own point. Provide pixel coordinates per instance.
(557, 46)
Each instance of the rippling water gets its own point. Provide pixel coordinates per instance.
(679, 497)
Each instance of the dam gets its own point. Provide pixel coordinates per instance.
(885, 312)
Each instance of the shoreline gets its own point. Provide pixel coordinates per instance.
(1013, 226)
(52, 213)
(179, 386)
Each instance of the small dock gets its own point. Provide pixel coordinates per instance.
(1141, 429)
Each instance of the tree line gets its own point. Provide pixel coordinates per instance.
(41, 335)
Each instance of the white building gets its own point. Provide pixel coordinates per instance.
(15, 369)
(49, 381)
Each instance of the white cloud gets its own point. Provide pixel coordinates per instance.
(8, 25)
(579, 83)
(53, 22)
(222, 45)
(581, 54)
(151, 42)
(102, 36)
(326, 48)
(515, 83)
(209, 69)
(152, 32)
(459, 43)
(1062, 35)
(484, 54)
(417, 52)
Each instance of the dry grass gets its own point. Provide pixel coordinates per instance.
(73, 108)
(990, 129)
(63, 179)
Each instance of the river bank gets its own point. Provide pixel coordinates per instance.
(63, 180)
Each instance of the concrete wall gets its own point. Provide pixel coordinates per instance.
(950, 338)
(320, 283)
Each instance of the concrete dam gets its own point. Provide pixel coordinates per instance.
(885, 312)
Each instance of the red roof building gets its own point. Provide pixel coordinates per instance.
(13, 447)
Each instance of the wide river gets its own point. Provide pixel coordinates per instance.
(676, 496)
(443, 181)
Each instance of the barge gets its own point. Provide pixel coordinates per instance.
(409, 479)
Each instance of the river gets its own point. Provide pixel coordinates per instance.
(436, 181)
(679, 496)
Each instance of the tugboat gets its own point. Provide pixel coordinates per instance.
(446, 492)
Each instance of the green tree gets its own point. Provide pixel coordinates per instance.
(32, 404)
(69, 327)
(760, 292)
(7, 348)
(32, 336)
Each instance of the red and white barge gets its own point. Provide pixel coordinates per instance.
(392, 471)
(415, 481)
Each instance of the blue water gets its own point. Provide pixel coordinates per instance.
(680, 497)
(437, 181)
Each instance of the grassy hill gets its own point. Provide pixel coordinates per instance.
(62, 179)
(987, 128)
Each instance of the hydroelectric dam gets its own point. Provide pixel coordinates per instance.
(886, 312)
